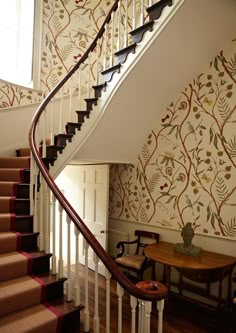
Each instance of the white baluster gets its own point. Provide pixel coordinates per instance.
(86, 306)
(147, 316)
(47, 218)
(112, 39)
(32, 172)
(108, 291)
(44, 134)
(76, 285)
(36, 200)
(133, 304)
(97, 62)
(41, 215)
(105, 49)
(126, 23)
(60, 260)
(120, 293)
(52, 121)
(160, 308)
(79, 88)
(89, 69)
(134, 14)
(96, 319)
(142, 13)
(118, 26)
(141, 316)
(68, 291)
(53, 223)
(71, 94)
(61, 111)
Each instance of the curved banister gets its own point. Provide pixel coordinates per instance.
(75, 218)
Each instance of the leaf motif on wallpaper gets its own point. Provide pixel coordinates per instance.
(66, 51)
(54, 79)
(145, 153)
(174, 128)
(232, 65)
(231, 147)
(230, 227)
(143, 214)
(56, 23)
(221, 188)
(223, 108)
(174, 199)
(152, 183)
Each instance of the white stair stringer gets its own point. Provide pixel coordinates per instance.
(185, 38)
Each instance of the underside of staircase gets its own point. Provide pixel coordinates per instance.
(31, 298)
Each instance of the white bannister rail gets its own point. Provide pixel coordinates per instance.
(55, 225)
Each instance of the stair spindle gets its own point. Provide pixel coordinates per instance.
(79, 88)
(97, 63)
(60, 261)
(61, 110)
(142, 13)
(89, 74)
(108, 293)
(52, 121)
(120, 293)
(133, 305)
(53, 222)
(119, 27)
(96, 319)
(71, 94)
(68, 282)
(134, 14)
(112, 40)
(126, 24)
(47, 219)
(44, 134)
(41, 215)
(77, 261)
(160, 308)
(105, 48)
(86, 306)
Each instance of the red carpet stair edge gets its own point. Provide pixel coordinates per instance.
(31, 299)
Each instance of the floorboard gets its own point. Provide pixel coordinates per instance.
(180, 316)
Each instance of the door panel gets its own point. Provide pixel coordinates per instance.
(93, 204)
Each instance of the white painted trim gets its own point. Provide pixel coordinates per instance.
(37, 44)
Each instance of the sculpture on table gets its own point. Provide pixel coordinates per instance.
(187, 247)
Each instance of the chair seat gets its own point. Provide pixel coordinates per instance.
(131, 260)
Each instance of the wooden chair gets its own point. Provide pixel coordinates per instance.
(137, 262)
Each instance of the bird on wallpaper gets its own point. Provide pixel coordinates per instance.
(191, 129)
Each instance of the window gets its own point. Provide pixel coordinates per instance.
(17, 35)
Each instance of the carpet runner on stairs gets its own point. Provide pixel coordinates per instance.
(31, 299)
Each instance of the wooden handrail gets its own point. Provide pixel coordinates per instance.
(75, 218)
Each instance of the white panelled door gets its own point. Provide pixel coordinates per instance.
(93, 188)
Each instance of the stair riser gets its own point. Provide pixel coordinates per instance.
(22, 207)
(29, 243)
(22, 191)
(24, 224)
(41, 265)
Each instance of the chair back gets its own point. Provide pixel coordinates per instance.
(142, 234)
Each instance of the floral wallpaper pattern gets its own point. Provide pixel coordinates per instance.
(68, 29)
(186, 170)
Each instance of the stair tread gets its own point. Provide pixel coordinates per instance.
(37, 319)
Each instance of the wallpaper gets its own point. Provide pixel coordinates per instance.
(69, 26)
(186, 170)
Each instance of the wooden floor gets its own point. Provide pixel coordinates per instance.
(179, 316)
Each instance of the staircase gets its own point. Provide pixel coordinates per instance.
(31, 270)
(31, 298)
